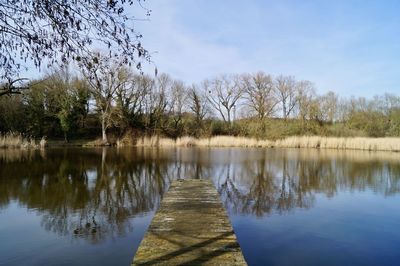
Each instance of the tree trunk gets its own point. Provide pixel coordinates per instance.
(103, 128)
(284, 111)
(65, 137)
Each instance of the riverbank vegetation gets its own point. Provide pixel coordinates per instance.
(116, 105)
(15, 140)
(337, 143)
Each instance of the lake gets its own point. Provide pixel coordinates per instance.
(287, 206)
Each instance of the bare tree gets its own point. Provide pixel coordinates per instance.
(285, 87)
(104, 78)
(60, 31)
(156, 100)
(198, 105)
(144, 85)
(328, 105)
(125, 94)
(223, 93)
(13, 86)
(259, 93)
(387, 103)
(177, 103)
(343, 110)
(305, 98)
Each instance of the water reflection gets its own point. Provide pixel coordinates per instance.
(89, 193)
(282, 180)
(93, 193)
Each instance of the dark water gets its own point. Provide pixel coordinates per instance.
(288, 207)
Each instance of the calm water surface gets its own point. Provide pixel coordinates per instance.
(288, 207)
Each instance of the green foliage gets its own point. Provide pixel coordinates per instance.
(53, 107)
(373, 123)
(35, 109)
(12, 114)
(342, 130)
(394, 129)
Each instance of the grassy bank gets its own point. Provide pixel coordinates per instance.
(356, 143)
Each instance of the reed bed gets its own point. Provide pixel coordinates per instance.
(16, 141)
(217, 141)
(155, 141)
(356, 143)
(230, 141)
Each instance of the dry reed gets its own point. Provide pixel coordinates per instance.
(357, 143)
(16, 141)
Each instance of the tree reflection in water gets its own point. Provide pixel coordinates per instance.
(94, 193)
(85, 193)
(264, 185)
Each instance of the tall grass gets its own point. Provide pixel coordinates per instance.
(155, 141)
(16, 141)
(230, 141)
(356, 143)
(217, 141)
(352, 143)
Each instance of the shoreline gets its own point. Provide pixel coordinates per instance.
(391, 144)
(315, 142)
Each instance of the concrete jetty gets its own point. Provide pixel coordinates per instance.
(191, 227)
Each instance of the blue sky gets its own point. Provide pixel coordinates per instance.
(350, 47)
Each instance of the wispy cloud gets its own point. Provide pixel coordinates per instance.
(350, 47)
(186, 54)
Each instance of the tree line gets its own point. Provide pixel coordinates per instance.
(111, 99)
